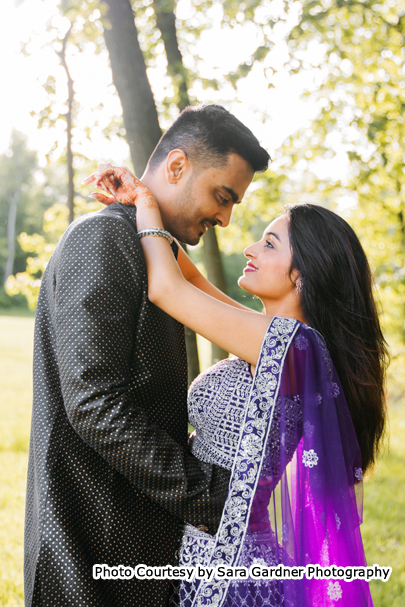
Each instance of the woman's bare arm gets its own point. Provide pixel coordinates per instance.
(236, 330)
(193, 275)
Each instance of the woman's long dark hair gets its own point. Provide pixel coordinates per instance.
(337, 300)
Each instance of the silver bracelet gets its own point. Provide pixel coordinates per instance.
(156, 232)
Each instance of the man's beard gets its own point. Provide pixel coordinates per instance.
(182, 224)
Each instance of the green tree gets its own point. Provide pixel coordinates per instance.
(80, 30)
(21, 203)
(38, 249)
(16, 175)
(362, 100)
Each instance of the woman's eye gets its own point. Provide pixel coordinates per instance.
(269, 244)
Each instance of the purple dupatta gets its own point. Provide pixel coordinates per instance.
(317, 505)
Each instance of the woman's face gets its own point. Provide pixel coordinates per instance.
(267, 271)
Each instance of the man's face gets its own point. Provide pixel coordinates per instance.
(207, 198)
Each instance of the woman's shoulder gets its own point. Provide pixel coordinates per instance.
(301, 333)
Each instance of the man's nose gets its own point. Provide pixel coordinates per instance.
(224, 217)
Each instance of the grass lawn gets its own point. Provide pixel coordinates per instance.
(384, 493)
(15, 411)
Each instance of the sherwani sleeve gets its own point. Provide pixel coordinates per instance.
(99, 289)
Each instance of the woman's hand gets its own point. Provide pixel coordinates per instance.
(123, 186)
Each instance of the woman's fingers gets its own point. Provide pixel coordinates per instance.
(103, 198)
(122, 185)
(90, 179)
(106, 185)
(117, 173)
(114, 174)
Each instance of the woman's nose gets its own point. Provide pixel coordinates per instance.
(250, 251)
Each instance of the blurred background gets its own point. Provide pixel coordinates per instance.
(320, 83)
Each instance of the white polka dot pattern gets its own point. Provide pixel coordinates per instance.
(110, 479)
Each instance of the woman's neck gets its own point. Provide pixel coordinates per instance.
(287, 309)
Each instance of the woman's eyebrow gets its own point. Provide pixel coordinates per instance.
(273, 234)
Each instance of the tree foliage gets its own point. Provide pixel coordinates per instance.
(360, 59)
(39, 248)
(21, 193)
(357, 48)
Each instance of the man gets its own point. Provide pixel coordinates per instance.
(110, 480)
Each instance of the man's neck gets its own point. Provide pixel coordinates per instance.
(149, 179)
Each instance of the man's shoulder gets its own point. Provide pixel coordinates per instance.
(114, 220)
(116, 212)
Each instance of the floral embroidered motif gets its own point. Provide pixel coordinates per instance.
(315, 400)
(237, 507)
(310, 458)
(309, 429)
(338, 521)
(301, 342)
(334, 389)
(195, 547)
(334, 591)
(358, 473)
(251, 444)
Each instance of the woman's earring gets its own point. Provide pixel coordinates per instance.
(299, 285)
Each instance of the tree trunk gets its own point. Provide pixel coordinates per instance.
(69, 155)
(71, 187)
(12, 217)
(193, 360)
(166, 22)
(131, 81)
(215, 273)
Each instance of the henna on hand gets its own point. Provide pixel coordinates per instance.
(124, 187)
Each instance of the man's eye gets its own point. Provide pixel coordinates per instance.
(223, 200)
(269, 244)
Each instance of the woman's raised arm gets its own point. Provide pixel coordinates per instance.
(193, 275)
(239, 331)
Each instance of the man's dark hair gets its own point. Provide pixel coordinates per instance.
(207, 134)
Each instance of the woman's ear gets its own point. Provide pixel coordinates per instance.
(176, 166)
(297, 281)
(295, 275)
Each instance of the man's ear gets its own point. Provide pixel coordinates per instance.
(176, 166)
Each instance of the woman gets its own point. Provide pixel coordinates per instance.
(281, 401)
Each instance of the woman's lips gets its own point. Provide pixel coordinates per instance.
(250, 267)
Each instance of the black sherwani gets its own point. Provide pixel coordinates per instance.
(110, 479)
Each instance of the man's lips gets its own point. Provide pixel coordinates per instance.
(206, 224)
(250, 267)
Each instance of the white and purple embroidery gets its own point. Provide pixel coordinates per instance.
(249, 458)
